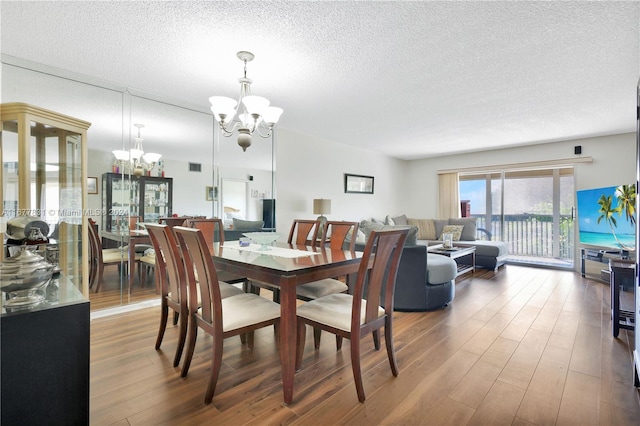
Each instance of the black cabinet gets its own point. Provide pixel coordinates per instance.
(269, 213)
(45, 359)
(148, 197)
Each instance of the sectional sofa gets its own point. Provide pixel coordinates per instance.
(426, 281)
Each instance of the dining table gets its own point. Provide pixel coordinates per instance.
(287, 266)
(131, 238)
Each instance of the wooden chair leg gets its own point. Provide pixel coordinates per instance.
(250, 339)
(338, 342)
(164, 316)
(355, 365)
(181, 339)
(376, 339)
(300, 338)
(193, 333)
(99, 277)
(216, 364)
(316, 337)
(391, 353)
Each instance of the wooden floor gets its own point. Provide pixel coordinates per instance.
(112, 294)
(523, 346)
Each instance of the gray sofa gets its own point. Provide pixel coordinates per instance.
(489, 254)
(425, 281)
(241, 226)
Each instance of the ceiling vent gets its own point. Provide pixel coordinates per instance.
(195, 167)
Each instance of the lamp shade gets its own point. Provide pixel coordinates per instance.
(321, 206)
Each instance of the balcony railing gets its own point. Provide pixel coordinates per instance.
(532, 235)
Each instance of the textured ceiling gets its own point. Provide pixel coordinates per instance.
(408, 79)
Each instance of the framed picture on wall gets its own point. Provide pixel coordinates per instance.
(212, 193)
(358, 184)
(92, 185)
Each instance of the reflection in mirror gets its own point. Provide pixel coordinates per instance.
(234, 201)
(183, 133)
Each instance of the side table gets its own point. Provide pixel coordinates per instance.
(621, 270)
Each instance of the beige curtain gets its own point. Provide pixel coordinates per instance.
(448, 196)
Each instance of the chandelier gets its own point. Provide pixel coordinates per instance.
(136, 161)
(253, 112)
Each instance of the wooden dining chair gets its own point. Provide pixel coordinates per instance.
(172, 277)
(355, 316)
(334, 237)
(104, 257)
(304, 231)
(173, 221)
(220, 318)
(213, 231)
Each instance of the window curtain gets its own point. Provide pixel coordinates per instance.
(448, 196)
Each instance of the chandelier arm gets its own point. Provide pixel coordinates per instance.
(226, 131)
(267, 128)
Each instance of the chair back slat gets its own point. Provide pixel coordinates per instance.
(168, 262)
(386, 246)
(197, 257)
(305, 231)
(337, 232)
(212, 229)
(94, 242)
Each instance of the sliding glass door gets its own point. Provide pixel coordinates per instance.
(532, 210)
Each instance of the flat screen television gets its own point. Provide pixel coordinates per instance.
(607, 217)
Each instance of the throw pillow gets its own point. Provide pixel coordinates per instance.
(400, 220)
(388, 220)
(247, 225)
(440, 224)
(456, 230)
(469, 231)
(374, 220)
(367, 226)
(411, 236)
(426, 228)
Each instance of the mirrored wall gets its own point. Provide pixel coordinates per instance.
(200, 163)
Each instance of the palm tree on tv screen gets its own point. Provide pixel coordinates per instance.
(625, 203)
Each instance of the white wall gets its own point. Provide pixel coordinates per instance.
(613, 164)
(308, 168)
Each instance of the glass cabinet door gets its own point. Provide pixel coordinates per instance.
(44, 186)
(156, 198)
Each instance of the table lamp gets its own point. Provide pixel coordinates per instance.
(321, 206)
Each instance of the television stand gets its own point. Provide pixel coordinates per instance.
(600, 256)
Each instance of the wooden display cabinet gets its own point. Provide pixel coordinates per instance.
(44, 175)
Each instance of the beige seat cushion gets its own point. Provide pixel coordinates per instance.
(333, 310)
(317, 289)
(226, 290)
(116, 256)
(148, 260)
(246, 309)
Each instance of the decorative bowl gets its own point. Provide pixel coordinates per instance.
(263, 238)
(22, 276)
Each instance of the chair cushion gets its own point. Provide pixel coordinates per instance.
(333, 310)
(247, 309)
(148, 260)
(117, 256)
(228, 290)
(316, 289)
